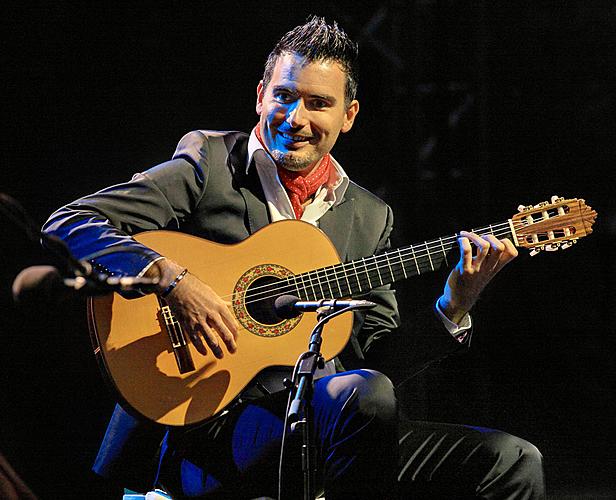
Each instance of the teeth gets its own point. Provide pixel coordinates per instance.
(296, 138)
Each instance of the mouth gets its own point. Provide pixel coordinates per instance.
(294, 138)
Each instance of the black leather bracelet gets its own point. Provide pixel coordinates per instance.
(174, 283)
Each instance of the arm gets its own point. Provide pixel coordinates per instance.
(428, 338)
(162, 197)
(378, 341)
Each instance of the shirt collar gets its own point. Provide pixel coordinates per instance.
(337, 186)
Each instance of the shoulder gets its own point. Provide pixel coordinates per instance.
(373, 218)
(368, 204)
(359, 193)
(198, 146)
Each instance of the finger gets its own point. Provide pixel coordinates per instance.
(219, 325)
(494, 260)
(483, 248)
(510, 248)
(197, 342)
(230, 319)
(466, 253)
(211, 339)
(496, 244)
(509, 253)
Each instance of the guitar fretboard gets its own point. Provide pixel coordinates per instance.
(360, 276)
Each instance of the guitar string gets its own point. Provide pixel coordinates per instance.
(339, 270)
(314, 278)
(400, 253)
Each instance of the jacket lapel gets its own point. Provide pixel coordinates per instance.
(337, 224)
(249, 186)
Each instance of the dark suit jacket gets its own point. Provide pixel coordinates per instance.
(206, 190)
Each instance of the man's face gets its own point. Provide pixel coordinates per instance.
(302, 111)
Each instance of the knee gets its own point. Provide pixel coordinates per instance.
(517, 462)
(511, 449)
(366, 392)
(376, 394)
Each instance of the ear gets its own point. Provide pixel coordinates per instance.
(260, 92)
(349, 117)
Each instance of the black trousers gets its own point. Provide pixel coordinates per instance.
(361, 452)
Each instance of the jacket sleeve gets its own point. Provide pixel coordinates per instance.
(399, 352)
(160, 198)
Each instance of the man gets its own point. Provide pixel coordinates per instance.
(226, 185)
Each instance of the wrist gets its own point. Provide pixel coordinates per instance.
(451, 310)
(167, 272)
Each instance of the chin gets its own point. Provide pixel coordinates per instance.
(295, 163)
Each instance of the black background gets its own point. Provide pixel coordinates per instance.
(468, 109)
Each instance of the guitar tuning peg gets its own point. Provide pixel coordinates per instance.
(557, 199)
(542, 204)
(524, 208)
(566, 244)
(553, 247)
(535, 251)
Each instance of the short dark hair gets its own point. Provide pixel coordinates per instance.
(316, 40)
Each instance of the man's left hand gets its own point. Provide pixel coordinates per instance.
(474, 271)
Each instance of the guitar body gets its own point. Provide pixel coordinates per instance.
(135, 350)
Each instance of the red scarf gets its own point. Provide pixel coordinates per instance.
(298, 187)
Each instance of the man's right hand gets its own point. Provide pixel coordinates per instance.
(205, 317)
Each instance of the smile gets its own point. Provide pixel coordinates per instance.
(294, 138)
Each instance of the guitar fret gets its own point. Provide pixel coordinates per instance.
(429, 257)
(315, 285)
(356, 275)
(367, 273)
(402, 264)
(307, 287)
(415, 260)
(378, 270)
(320, 285)
(300, 288)
(346, 277)
(296, 286)
(337, 280)
(314, 294)
(444, 252)
(331, 292)
(391, 271)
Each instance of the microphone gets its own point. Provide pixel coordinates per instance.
(40, 283)
(289, 306)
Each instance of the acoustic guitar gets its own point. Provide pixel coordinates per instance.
(160, 375)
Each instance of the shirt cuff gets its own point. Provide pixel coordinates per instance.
(458, 331)
(145, 269)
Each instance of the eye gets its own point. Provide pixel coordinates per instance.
(283, 96)
(319, 104)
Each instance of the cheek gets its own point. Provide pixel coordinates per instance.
(274, 114)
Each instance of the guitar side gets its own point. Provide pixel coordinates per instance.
(135, 350)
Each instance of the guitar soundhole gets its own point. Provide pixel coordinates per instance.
(260, 298)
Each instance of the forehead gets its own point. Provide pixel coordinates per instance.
(294, 71)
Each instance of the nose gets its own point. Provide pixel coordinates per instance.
(297, 114)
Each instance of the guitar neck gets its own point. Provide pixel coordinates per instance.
(362, 275)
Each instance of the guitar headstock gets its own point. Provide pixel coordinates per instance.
(553, 225)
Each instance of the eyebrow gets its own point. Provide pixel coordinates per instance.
(325, 97)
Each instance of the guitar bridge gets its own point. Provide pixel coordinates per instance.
(179, 345)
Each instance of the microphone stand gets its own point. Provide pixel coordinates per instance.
(300, 412)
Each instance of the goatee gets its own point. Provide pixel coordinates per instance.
(292, 162)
